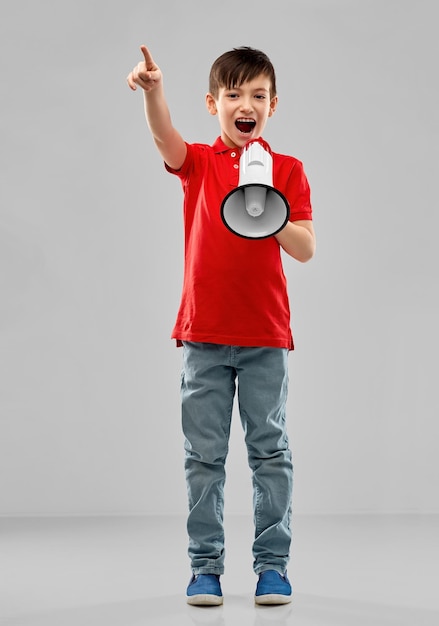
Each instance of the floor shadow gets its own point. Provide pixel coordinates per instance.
(305, 610)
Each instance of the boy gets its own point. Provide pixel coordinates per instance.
(233, 321)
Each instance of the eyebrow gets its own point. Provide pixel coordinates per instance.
(240, 88)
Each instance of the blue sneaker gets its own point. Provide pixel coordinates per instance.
(273, 588)
(204, 590)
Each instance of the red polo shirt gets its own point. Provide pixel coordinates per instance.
(234, 289)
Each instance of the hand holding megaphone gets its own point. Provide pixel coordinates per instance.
(255, 209)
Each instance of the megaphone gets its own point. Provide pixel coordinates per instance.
(255, 209)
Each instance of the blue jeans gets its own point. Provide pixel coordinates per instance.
(209, 376)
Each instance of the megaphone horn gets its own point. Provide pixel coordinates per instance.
(255, 209)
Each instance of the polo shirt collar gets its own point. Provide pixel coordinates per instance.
(219, 146)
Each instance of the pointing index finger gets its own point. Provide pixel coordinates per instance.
(149, 62)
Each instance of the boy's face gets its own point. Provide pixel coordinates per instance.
(243, 111)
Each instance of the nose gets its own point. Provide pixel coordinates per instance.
(246, 105)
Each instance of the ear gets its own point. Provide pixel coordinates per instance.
(211, 104)
(273, 105)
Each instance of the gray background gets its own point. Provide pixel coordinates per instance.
(91, 251)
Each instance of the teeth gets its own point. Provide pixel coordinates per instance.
(245, 124)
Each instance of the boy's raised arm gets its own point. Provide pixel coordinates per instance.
(168, 140)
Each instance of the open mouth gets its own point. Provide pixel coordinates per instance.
(245, 125)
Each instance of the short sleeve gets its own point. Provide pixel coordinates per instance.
(298, 193)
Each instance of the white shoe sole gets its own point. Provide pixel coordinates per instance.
(204, 599)
(273, 598)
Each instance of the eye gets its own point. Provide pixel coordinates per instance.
(260, 96)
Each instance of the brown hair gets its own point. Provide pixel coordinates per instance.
(238, 66)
